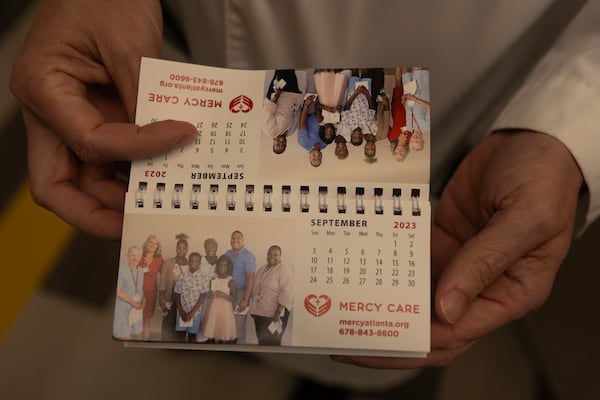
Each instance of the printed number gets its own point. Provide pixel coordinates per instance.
(155, 174)
(405, 225)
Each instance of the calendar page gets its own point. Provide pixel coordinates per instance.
(298, 220)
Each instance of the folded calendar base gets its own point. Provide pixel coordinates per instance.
(271, 349)
(274, 233)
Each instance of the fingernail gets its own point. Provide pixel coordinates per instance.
(453, 305)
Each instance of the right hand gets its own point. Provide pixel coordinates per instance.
(76, 79)
(385, 101)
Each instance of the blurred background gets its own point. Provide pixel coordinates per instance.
(57, 302)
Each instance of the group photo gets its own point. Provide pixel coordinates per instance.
(229, 284)
(347, 124)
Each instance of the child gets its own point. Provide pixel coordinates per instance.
(341, 149)
(370, 148)
(356, 137)
(190, 291)
(219, 322)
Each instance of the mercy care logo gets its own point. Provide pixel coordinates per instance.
(241, 103)
(317, 305)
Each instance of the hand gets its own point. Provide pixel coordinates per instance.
(186, 316)
(309, 100)
(137, 305)
(276, 95)
(501, 231)
(162, 304)
(406, 97)
(385, 101)
(242, 306)
(76, 79)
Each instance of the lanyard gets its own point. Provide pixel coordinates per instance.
(135, 279)
(263, 278)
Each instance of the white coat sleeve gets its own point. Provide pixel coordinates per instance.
(561, 97)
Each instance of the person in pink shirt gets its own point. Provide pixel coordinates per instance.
(271, 299)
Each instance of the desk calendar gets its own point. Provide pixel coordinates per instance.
(324, 228)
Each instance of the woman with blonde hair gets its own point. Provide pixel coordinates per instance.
(151, 263)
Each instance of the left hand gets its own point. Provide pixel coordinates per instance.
(242, 306)
(309, 100)
(503, 226)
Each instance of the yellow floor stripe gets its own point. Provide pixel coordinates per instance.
(32, 239)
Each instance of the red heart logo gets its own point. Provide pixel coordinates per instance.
(241, 103)
(317, 305)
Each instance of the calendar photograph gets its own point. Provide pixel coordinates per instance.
(204, 283)
(298, 220)
(351, 125)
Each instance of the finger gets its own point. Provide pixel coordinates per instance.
(443, 249)
(53, 180)
(122, 58)
(62, 102)
(99, 182)
(483, 258)
(521, 288)
(96, 140)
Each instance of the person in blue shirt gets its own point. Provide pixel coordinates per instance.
(244, 268)
(310, 133)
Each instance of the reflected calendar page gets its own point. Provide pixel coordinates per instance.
(298, 220)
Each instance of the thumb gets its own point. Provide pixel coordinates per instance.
(481, 260)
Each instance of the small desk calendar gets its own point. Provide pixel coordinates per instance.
(339, 240)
